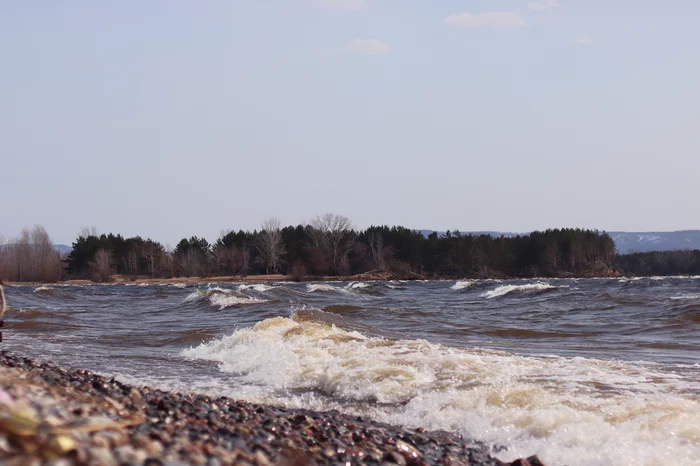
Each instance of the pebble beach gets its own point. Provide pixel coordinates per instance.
(50, 415)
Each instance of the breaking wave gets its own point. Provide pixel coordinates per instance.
(223, 301)
(358, 286)
(572, 411)
(324, 287)
(528, 288)
(44, 289)
(684, 297)
(222, 298)
(260, 287)
(462, 284)
(352, 287)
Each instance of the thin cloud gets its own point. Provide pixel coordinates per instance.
(350, 5)
(582, 40)
(544, 5)
(369, 46)
(492, 19)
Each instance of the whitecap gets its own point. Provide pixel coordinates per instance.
(260, 287)
(462, 284)
(314, 287)
(358, 285)
(528, 288)
(690, 296)
(42, 288)
(223, 301)
(573, 411)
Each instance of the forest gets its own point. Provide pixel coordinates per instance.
(660, 263)
(329, 246)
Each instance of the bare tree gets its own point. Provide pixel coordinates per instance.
(132, 262)
(270, 246)
(31, 257)
(379, 251)
(45, 259)
(102, 266)
(333, 234)
(551, 257)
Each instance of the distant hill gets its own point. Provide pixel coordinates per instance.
(60, 248)
(490, 233)
(628, 242)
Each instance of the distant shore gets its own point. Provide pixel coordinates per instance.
(375, 276)
(121, 279)
(49, 413)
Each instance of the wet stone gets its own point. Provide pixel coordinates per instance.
(180, 429)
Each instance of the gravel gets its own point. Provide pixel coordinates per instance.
(50, 415)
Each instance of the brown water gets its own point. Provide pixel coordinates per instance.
(578, 371)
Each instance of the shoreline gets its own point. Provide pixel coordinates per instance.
(49, 413)
(369, 277)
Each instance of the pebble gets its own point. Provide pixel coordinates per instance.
(150, 427)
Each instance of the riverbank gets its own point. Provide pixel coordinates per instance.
(371, 276)
(49, 413)
(378, 276)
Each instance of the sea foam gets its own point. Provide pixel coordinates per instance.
(222, 298)
(462, 284)
(260, 287)
(528, 288)
(573, 411)
(43, 288)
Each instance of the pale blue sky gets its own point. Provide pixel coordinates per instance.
(178, 118)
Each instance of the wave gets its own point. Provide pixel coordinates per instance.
(462, 284)
(192, 336)
(260, 287)
(222, 298)
(223, 301)
(44, 289)
(358, 286)
(324, 287)
(572, 411)
(528, 288)
(339, 308)
(352, 287)
(684, 297)
(392, 286)
(629, 280)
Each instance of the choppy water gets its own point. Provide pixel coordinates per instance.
(595, 372)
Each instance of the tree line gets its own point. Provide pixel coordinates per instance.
(31, 257)
(328, 245)
(659, 263)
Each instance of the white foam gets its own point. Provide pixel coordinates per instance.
(222, 297)
(195, 295)
(571, 411)
(530, 287)
(683, 297)
(314, 287)
(43, 288)
(462, 284)
(629, 280)
(358, 285)
(223, 301)
(260, 287)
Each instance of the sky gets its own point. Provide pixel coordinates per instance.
(168, 119)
